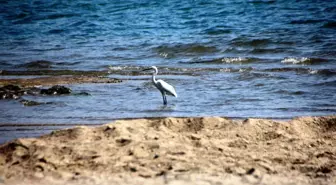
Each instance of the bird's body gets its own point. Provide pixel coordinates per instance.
(162, 86)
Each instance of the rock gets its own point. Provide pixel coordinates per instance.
(12, 88)
(33, 91)
(11, 92)
(56, 90)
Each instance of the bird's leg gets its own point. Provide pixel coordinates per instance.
(164, 98)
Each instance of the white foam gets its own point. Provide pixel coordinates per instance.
(313, 71)
(230, 60)
(114, 68)
(165, 55)
(294, 60)
(225, 70)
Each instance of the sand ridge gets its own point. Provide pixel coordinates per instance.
(206, 150)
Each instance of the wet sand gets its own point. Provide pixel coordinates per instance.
(207, 150)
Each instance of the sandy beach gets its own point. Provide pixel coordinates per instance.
(205, 150)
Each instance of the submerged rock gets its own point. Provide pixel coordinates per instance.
(16, 92)
(32, 103)
(29, 102)
(56, 90)
(11, 92)
(82, 94)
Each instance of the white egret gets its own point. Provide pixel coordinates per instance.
(163, 86)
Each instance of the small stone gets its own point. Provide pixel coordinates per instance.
(133, 169)
(160, 173)
(250, 171)
(123, 141)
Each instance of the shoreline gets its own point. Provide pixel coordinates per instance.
(202, 150)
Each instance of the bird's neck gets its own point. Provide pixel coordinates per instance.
(153, 78)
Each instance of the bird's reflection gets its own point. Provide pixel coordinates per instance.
(166, 108)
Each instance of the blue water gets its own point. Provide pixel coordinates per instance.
(270, 59)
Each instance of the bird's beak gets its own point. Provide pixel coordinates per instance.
(147, 69)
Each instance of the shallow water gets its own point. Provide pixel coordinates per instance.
(236, 59)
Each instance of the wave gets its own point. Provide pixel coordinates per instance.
(290, 92)
(328, 83)
(303, 60)
(125, 68)
(163, 70)
(5, 63)
(330, 24)
(287, 69)
(181, 49)
(262, 1)
(67, 63)
(226, 60)
(307, 21)
(267, 50)
(246, 42)
(325, 72)
(195, 71)
(239, 60)
(217, 31)
(38, 64)
(247, 75)
(56, 31)
(58, 16)
(45, 64)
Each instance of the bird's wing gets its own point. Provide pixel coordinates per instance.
(167, 88)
